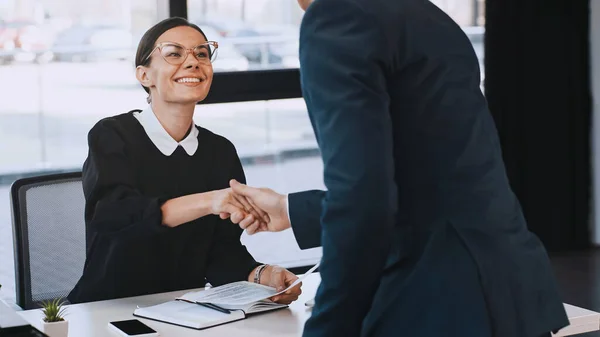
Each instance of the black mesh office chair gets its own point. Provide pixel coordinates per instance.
(48, 235)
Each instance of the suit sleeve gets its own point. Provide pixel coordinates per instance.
(305, 216)
(343, 64)
(114, 206)
(229, 260)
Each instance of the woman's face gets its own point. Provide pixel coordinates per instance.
(185, 83)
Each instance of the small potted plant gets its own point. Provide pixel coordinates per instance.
(54, 323)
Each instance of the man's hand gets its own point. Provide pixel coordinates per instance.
(227, 204)
(271, 205)
(280, 278)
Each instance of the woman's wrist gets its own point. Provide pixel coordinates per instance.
(206, 202)
(186, 208)
(261, 273)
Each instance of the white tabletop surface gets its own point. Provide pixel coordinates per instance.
(91, 319)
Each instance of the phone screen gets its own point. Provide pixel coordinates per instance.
(133, 327)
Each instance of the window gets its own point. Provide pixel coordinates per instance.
(70, 64)
(262, 32)
(265, 32)
(64, 65)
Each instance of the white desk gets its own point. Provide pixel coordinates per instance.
(91, 319)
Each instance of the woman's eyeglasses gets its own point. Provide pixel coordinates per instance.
(176, 54)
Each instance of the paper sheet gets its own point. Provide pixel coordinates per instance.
(300, 279)
(240, 293)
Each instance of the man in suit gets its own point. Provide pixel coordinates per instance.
(421, 232)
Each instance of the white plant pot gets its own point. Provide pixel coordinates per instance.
(56, 329)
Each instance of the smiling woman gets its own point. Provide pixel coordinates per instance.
(153, 193)
(177, 41)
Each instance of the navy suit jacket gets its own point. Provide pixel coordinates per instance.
(420, 230)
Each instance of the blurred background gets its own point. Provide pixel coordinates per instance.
(66, 64)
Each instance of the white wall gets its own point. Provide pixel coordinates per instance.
(595, 71)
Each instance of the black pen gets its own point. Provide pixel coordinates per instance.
(214, 307)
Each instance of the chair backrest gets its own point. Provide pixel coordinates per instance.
(48, 235)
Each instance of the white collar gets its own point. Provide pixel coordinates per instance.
(161, 138)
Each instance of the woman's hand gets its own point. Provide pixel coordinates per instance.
(281, 278)
(224, 203)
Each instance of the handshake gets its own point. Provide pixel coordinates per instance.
(253, 209)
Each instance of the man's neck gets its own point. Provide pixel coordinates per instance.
(175, 118)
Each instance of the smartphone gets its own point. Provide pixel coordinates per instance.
(132, 327)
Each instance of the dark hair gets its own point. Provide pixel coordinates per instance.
(147, 42)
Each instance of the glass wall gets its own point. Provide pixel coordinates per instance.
(264, 32)
(70, 63)
(63, 66)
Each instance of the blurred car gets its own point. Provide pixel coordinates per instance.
(7, 42)
(33, 43)
(24, 41)
(287, 54)
(93, 43)
(224, 26)
(228, 57)
(253, 51)
(269, 46)
(264, 47)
